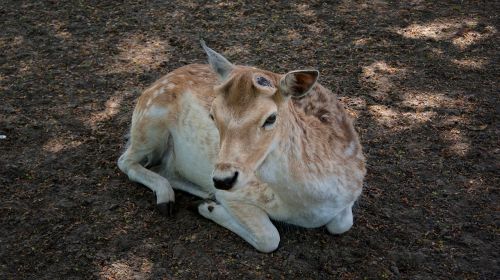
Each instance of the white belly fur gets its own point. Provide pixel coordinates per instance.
(196, 143)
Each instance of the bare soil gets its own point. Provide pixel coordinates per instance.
(420, 76)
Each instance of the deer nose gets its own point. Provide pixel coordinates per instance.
(225, 183)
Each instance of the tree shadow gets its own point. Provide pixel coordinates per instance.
(425, 107)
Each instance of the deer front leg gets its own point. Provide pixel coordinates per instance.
(342, 222)
(243, 212)
(129, 164)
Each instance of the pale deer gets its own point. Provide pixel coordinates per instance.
(257, 145)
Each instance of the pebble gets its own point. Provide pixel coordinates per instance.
(395, 270)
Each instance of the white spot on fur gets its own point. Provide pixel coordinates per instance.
(158, 92)
(170, 86)
(349, 151)
(156, 111)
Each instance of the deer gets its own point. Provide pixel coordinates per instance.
(254, 145)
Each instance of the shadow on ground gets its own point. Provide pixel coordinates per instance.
(422, 79)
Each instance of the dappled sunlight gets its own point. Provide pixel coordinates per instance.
(139, 53)
(421, 101)
(362, 41)
(292, 34)
(60, 30)
(470, 63)
(236, 51)
(131, 267)
(11, 42)
(374, 5)
(24, 67)
(305, 10)
(384, 115)
(389, 117)
(458, 143)
(354, 102)
(314, 28)
(379, 77)
(460, 32)
(59, 144)
(441, 29)
(112, 107)
(470, 37)
(429, 106)
(420, 78)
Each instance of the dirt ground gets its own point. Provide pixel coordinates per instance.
(420, 76)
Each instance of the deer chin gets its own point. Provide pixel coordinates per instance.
(243, 180)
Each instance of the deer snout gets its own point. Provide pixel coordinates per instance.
(225, 176)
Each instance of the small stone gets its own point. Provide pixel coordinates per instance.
(395, 270)
(113, 207)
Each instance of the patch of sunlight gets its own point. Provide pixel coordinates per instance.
(18, 40)
(59, 144)
(390, 118)
(59, 30)
(459, 143)
(24, 67)
(460, 32)
(305, 10)
(441, 29)
(11, 42)
(362, 41)
(112, 107)
(314, 28)
(470, 37)
(469, 63)
(354, 105)
(374, 4)
(379, 6)
(384, 115)
(354, 102)
(130, 268)
(139, 53)
(437, 52)
(420, 101)
(236, 51)
(379, 77)
(292, 34)
(416, 118)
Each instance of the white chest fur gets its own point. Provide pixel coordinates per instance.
(196, 142)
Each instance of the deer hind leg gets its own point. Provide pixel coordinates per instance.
(148, 142)
(245, 212)
(342, 222)
(167, 170)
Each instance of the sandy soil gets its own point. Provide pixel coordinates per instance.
(420, 76)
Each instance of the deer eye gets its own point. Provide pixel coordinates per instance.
(270, 120)
(211, 116)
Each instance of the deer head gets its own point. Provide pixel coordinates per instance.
(250, 112)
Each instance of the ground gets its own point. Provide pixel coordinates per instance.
(421, 77)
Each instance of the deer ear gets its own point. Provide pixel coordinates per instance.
(298, 83)
(219, 64)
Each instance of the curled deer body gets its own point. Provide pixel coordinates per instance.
(257, 145)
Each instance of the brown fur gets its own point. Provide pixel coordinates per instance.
(298, 161)
(329, 128)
